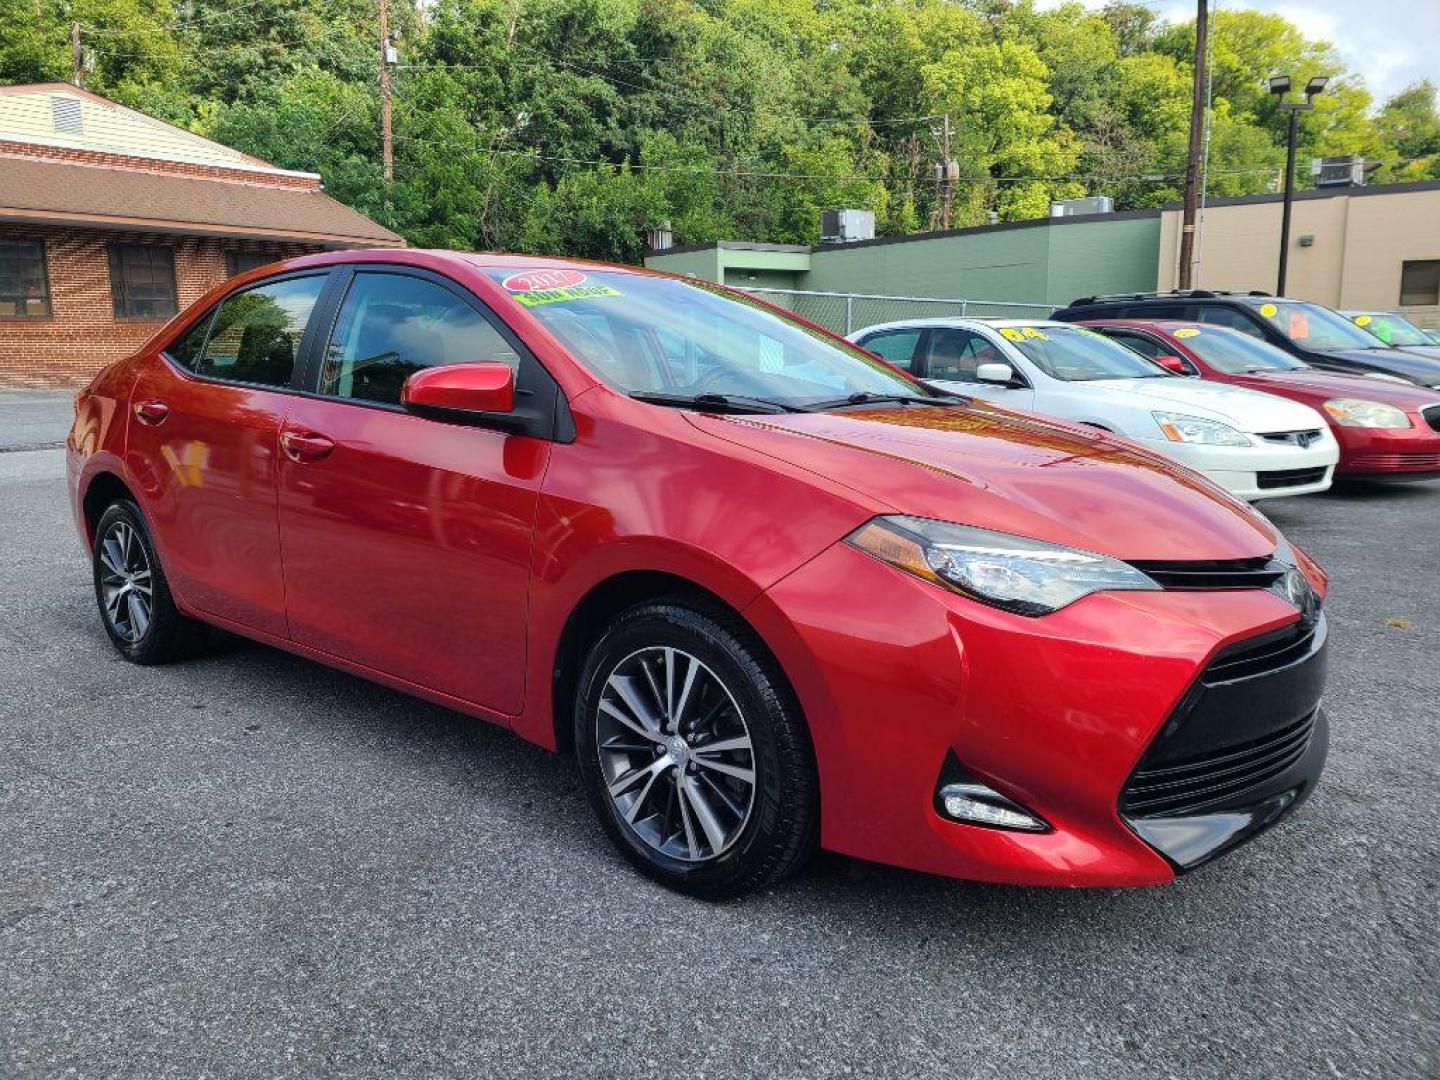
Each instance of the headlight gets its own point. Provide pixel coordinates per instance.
(1195, 429)
(1357, 412)
(1028, 577)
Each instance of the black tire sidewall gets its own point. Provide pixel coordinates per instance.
(159, 641)
(770, 715)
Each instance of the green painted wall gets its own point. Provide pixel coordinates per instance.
(1043, 263)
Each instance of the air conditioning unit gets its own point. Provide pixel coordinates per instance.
(846, 226)
(1095, 204)
(1348, 171)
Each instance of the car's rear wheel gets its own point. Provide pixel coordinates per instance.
(134, 597)
(694, 752)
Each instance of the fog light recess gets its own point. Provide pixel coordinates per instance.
(975, 804)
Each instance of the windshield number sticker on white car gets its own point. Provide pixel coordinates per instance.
(536, 287)
(1010, 333)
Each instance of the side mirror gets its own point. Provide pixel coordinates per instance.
(1001, 374)
(1173, 363)
(484, 387)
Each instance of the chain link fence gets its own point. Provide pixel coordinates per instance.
(843, 313)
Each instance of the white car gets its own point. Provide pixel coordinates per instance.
(1256, 445)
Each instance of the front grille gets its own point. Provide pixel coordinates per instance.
(1191, 786)
(1281, 478)
(1403, 460)
(1431, 413)
(1292, 438)
(1259, 573)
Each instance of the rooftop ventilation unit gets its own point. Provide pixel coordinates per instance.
(1096, 204)
(846, 226)
(1349, 171)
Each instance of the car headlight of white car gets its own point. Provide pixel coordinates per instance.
(1357, 412)
(1196, 429)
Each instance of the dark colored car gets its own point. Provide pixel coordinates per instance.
(772, 592)
(1396, 330)
(1311, 333)
(1386, 430)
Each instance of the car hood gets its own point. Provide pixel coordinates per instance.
(1402, 362)
(1248, 410)
(1320, 386)
(986, 466)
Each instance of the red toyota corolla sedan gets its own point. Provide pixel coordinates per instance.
(770, 591)
(1387, 429)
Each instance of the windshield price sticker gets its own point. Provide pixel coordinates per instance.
(1187, 331)
(1010, 333)
(1362, 320)
(535, 287)
(1268, 310)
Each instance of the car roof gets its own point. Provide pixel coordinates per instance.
(959, 322)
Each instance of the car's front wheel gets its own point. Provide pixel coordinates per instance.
(131, 590)
(694, 752)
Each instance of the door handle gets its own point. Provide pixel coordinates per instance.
(151, 412)
(303, 446)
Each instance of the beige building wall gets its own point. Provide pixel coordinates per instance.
(1360, 242)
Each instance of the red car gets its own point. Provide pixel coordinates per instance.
(770, 591)
(1387, 429)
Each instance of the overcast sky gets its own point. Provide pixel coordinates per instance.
(1392, 43)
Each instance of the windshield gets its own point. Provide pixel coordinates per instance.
(1234, 353)
(1392, 329)
(647, 335)
(1314, 327)
(1078, 354)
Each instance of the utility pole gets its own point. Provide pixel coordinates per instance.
(387, 142)
(77, 57)
(946, 173)
(1197, 142)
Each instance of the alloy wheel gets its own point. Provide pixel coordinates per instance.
(675, 754)
(125, 582)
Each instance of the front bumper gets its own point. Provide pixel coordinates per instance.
(1056, 713)
(1258, 472)
(1387, 453)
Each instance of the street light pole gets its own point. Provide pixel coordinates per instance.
(1288, 200)
(1280, 86)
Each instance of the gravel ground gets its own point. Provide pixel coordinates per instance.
(250, 865)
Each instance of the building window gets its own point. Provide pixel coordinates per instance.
(142, 281)
(24, 284)
(237, 262)
(1420, 283)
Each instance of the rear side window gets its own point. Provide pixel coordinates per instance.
(255, 335)
(187, 347)
(896, 346)
(392, 325)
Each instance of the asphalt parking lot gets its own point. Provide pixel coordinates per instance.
(250, 865)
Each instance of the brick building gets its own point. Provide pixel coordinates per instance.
(111, 221)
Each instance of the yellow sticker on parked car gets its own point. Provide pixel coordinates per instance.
(1362, 320)
(1009, 333)
(1268, 310)
(1187, 331)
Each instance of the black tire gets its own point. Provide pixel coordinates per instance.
(782, 826)
(166, 634)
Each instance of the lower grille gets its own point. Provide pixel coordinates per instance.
(1280, 478)
(1380, 462)
(1208, 780)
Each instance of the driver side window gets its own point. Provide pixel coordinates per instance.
(392, 325)
(955, 354)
